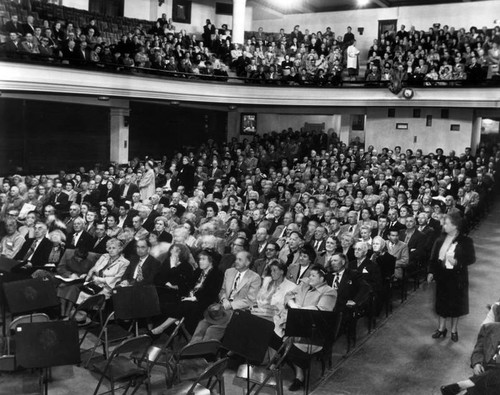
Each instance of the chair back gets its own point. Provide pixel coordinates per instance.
(135, 345)
(214, 370)
(280, 356)
(28, 319)
(210, 347)
(93, 306)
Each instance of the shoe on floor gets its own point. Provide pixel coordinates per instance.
(451, 389)
(296, 385)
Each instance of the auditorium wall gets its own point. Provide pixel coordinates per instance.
(44, 137)
(80, 4)
(381, 131)
(464, 14)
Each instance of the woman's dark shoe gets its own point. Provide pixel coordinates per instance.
(454, 336)
(296, 385)
(438, 333)
(451, 389)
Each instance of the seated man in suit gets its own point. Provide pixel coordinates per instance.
(352, 290)
(399, 250)
(148, 217)
(415, 241)
(239, 292)
(227, 261)
(261, 266)
(142, 268)
(485, 362)
(60, 200)
(289, 254)
(127, 189)
(79, 237)
(258, 246)
(369, 270)
(35, 251)
(319, 239)
(101, 238)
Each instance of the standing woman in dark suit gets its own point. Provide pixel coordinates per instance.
(451, 254)
(204, 290)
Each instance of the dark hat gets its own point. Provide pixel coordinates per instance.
(215, 314)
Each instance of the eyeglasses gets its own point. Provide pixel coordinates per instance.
(238, 245)
(270, 249)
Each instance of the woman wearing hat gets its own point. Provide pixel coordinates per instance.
(147, 182)
(205, 285)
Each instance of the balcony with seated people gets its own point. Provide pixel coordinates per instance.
(76, 38)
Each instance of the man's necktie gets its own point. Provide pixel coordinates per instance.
(336, 281)
(289, 258)
(30, 251)
(139, 276)
(235, 286)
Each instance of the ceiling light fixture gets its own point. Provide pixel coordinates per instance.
(363, 3)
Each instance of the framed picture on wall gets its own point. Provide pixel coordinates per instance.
(358, 121)
(248, 123)
(181, 11)
(387, 25)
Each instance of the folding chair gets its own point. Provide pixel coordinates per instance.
(23, 319)
(193, 352)
(120, 367)
(269, 375)
(214, 371)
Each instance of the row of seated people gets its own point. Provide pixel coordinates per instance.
(345, 208)
(438, 54)
(484, 361)
(295, 59)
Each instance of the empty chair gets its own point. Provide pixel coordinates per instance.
(212, 375)
(121, 368)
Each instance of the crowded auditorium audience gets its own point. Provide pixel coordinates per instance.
(438, 56)
(246, 225)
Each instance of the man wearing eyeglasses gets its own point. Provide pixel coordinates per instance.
(261, 265)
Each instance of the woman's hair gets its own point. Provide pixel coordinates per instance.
(212, 255)
(57, 233)
(456, 220)
(184, 252)
(280, 265)
(383, 243)
(319, 269)
(115, 216)
(116, 242)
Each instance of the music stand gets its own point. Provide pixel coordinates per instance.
(314, 325)
(28, 296)
(6, 266)
(248, 336)
(136, 302)
(43, 345)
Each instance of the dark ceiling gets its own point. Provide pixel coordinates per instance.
(306, 6)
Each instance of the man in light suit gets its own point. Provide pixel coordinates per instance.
(352, 226)
(239, 292)
(399, 250)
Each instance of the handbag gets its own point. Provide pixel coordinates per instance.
(91, 289)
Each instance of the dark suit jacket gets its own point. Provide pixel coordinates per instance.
(86, 241)
(150, 268)
(486, 344)
(352, 287)
(41, 255)
(101, 247)
(322, 246)
(254, 251)
(208, 293)
(133, 188)
(149, 223)
(11, 28)
(370, 273)
(386, 264)
(416, 246)
(60, 202)
(398, 225)
(226, 262)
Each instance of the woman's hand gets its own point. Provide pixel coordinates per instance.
(430, 277)
(189, 299)
(478, 369)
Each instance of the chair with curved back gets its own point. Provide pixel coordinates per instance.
(269, 375)
(23, 319)
(120, 367)
(189, 354)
